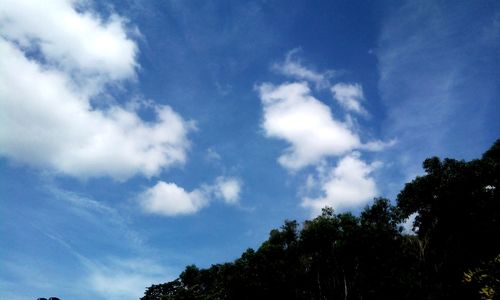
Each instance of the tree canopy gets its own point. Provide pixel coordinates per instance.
(454, 252)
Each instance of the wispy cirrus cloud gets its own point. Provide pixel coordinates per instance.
(438, 67)
(294, 68)
(113, 277)
(349, 96)
(71, 226)
(122, 278)
(108, 220)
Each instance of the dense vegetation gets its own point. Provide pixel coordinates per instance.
(454, 253)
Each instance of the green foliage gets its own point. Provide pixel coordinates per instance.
(458, 217)
(342, 256)
(485, 279)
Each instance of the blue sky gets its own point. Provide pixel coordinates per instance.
(139, 137)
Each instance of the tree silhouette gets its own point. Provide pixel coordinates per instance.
(454, 254)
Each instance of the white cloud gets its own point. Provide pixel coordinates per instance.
(108, 277)
(408, 224)
(291, 113)
(212, 156)
(228, 189)
(378, 145)
(169, 199)
(347, 185)
(122, 278)
(310, 182)
(75, 41)
(438, 78)
(292, 67)
(46, 105)
(99, 221)
(349, 96)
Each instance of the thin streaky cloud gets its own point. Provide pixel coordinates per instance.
(350, 97)
(294, 68)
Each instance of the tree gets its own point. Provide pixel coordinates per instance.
(343, 256)
(485, 279)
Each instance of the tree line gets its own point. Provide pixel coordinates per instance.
(453, 252)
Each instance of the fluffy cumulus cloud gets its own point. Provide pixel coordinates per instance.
(71, 39)
(349, 96)
(292, 114)
(169, 199)
(315, 136)
(347, 185)
(52, 76)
